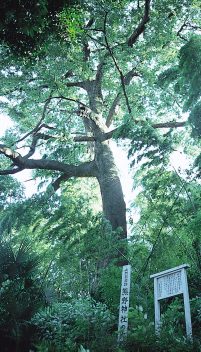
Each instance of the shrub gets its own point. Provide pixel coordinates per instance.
(20, 295)
(69, 325)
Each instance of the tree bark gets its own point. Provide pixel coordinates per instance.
(114, 207)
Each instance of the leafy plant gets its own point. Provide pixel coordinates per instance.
(20, 294)
(80, 322)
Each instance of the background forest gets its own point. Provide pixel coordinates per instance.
(77, 76)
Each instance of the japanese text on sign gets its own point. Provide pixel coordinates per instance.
(169, 285)
(124, 303)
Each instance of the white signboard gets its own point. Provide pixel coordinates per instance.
(169, 283)
(124, 303)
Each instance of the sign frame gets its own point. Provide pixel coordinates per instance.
(162, 290)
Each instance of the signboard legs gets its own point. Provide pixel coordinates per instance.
(186, 305)
(157, 309)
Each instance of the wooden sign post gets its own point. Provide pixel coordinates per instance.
(169, 283)
(124, 303)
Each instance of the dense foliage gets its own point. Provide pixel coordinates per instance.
(24, 24)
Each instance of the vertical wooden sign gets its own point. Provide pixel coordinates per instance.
(124, 303)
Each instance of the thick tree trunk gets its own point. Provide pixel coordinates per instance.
(114, 206)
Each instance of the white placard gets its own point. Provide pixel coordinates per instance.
(170, 283)
(124, 303)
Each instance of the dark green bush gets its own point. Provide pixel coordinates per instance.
(20, 295)
(67, 326)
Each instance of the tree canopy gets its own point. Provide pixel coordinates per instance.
(62, 98)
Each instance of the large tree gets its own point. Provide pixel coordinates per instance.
(95, 77)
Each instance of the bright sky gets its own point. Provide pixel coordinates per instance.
(5, 123)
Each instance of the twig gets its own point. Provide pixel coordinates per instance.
(116, 65)
(180, 30)
(37, 127)
(71, 99)
(127, 79)
(95, 40)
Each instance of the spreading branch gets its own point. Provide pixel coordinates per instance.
(11, 171)
(170, 124)
(70, 99)
(109, 135)
(81, 138)
(87, 169)
(46, 137)
(84, 139)
(81, 84)
(57, 182)
(112, 110)
(33, 145)
(142, 25)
